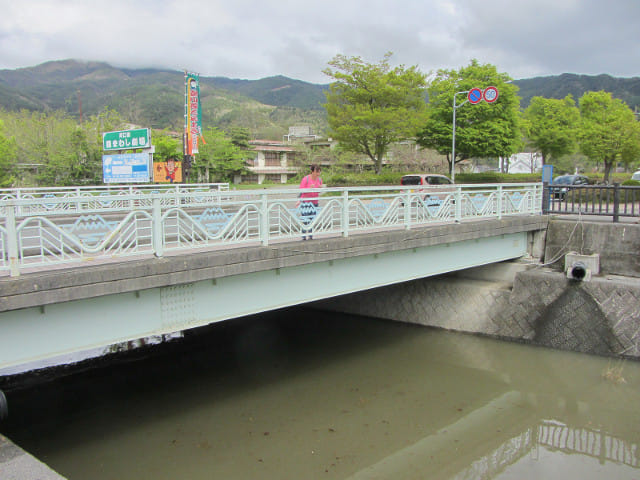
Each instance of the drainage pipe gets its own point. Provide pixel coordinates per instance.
(578, 271)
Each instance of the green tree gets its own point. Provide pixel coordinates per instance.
(610, 132)
(551, 126)
(371, 106)
(7, 159)
(483, 130)
(166, 146)
(57, 148)
(219, 159)
(240, 137)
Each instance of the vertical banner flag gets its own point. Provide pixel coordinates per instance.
(193, 114)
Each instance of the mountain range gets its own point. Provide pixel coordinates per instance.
(267, 107)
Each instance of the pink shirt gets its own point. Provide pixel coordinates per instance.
(308, 182)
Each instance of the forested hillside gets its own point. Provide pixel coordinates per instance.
(267, 107)
(626, 89)
(155, 98)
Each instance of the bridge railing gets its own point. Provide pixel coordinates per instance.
(45, 231)
(82, 198)
(613, 201)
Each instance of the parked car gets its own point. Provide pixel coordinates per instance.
(430, 184)
(560, 192)
(636, 176)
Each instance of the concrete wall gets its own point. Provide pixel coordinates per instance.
(618, 244)
(523, 301)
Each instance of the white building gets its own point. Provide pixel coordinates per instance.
(273, 162)
(525, 162)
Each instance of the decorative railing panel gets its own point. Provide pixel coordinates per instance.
(72, 226)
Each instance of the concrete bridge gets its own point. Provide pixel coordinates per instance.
(90, 270)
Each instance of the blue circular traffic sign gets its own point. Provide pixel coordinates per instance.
(474, 96)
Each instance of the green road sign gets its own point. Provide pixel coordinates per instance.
(126, 139)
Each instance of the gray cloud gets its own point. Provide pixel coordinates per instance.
(255, 39)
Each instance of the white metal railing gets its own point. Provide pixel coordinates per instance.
(81, 225)
(79, 198)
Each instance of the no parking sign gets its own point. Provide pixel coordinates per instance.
(474, 96)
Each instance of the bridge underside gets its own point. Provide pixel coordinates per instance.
(183, 300)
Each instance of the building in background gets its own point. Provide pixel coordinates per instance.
(525, 162)
(273, 162)
(300, 134)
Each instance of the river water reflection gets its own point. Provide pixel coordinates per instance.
(301, 394)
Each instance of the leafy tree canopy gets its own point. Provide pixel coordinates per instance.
(240, 137)
(166, 146)
(482, 130)
(53, 149)
(552, 126)
(371, 106)
(610, 131)
(7, 159)
(219, 159)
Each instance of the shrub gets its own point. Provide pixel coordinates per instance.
(495, 177)
(631, 183)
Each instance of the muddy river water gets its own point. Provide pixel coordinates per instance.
(302, 394)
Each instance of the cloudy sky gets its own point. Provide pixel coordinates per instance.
(254, 39)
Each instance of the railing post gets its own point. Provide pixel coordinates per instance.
(345, 213)
(79, 202)
(546, 197)
(616, 202)
(407, 209)
(500, 205)
(158, 240)
(458, 205)
(12, 239)
(264, 219)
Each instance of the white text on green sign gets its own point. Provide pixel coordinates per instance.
(126, 139)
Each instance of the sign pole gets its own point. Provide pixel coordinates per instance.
(453, 138)
(185, 138)
(474, 96)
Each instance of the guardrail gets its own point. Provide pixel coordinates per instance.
(42, 232)
(603, 200)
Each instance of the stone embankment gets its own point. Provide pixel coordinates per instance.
(531, 300)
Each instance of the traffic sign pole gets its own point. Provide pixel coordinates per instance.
(453, 140)
(474, 96)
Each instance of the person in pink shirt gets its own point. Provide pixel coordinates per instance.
(309, 200)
